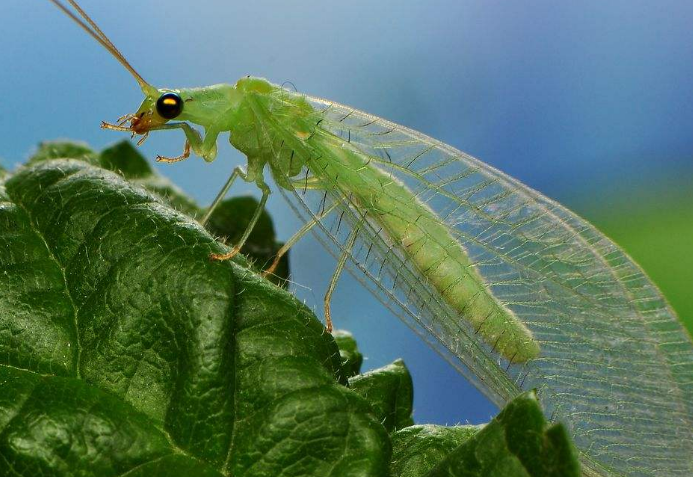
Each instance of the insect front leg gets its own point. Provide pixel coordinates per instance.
(182, 157)
(237, 172)
(205, 148)
(256, 215)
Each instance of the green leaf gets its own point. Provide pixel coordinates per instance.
(517, 443)
(116, 328)
(390, 392)
(417, 449)
(351, 357)
(231, 218)
(124, 159)
(48, 150)
(63, 426)
(124, 350)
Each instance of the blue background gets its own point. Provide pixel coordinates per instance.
(589, 102)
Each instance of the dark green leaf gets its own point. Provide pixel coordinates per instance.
(124, 159)
(64, 150)
(63, 426)
(352, 359)
(228, 221)
(517, 443)
(123, 349)
(115, 326)
(390, 392)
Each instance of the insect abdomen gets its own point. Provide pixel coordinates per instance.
(426, 240)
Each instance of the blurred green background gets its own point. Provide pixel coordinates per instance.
(654, 224)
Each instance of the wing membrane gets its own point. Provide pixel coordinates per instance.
(615, 363)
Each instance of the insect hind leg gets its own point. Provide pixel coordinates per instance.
(296, 237)
(346, 252)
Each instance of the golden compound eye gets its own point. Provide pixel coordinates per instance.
(169, 105)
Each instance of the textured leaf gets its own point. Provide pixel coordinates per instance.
(390, 392)
(517, 443)
(61, 149)
(124, 159)
(123, 348)
(417, 449)
(63, 426)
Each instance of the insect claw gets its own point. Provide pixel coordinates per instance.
(270, 270)
(217, 257)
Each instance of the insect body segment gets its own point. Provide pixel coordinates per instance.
(424, 239)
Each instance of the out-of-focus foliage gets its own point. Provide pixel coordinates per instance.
(655, 226)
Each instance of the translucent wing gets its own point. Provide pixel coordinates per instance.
(615, 366)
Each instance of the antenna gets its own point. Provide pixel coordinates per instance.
(95, 32)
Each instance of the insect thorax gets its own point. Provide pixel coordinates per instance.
(273, 126)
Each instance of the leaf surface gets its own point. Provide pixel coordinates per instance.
(116, 329)
(517, 443)
(390, 392)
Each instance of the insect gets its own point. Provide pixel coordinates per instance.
(515, 290)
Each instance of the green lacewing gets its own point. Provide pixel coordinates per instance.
(513, 289)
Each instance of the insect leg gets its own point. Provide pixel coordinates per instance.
(182, 157)
(237, 171)
(348, 246)
(265, 195)
(205, 148)
(295, 238)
